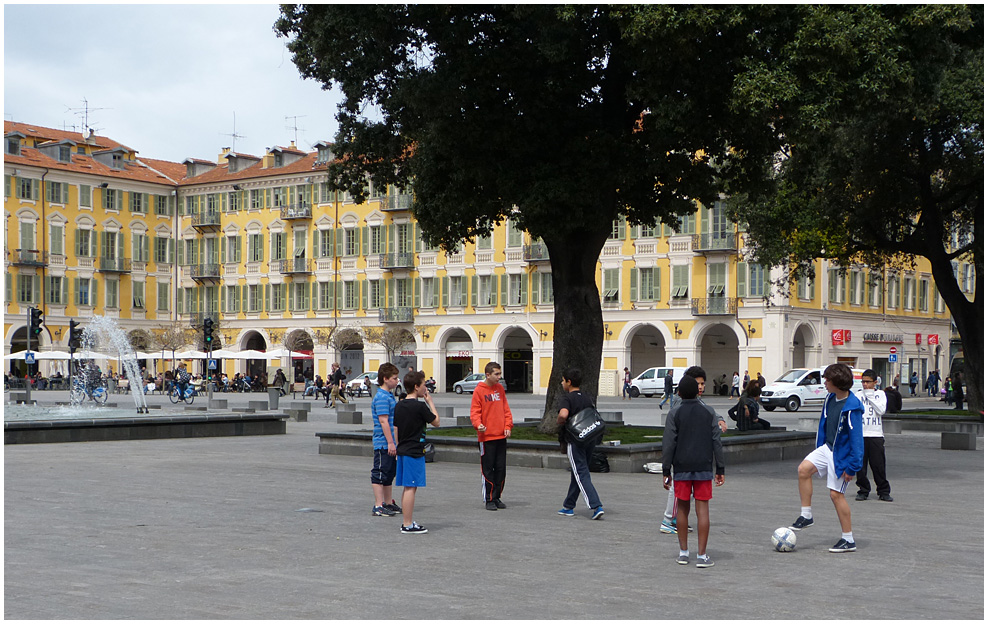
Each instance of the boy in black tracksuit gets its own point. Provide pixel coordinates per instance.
(691, 443)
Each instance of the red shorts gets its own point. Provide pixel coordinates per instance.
(701, 490)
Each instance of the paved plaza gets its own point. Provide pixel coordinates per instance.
(265, 527)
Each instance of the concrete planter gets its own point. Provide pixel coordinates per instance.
(784, 446)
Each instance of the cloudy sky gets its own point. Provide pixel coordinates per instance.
(165, 80)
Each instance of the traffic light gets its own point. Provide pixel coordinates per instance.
(75, 336)
(207, 332)
(37, 320)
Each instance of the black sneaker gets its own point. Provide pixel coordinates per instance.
(413, 529)
(801, 523)
(382, 511)
(393, 507)
(492, 506)
(862, 496)
(843, 546)
(885, 497)
(499, 504)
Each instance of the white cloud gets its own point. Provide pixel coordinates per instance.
(168, 78)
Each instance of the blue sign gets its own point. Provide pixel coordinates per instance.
(893, 357)
(29, 358)
(212, 364)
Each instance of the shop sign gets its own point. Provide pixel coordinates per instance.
(840, 336)
(877, 337)
(933, 339)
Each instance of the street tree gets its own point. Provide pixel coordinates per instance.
(879, 111)
(562, 118)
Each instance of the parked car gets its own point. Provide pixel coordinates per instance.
(355, 387)
(652, 381)
(468, 383)
(798, 387)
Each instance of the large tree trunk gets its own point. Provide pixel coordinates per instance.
(578, 326)
(968, 316)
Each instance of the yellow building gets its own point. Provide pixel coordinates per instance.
(260, 244)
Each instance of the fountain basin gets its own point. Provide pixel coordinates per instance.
(142, 428)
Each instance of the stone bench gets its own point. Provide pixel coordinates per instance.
(351, 417)
(196, 408)
(217, 404)
(958, 441)
(259, 406)
(345, 408)
(300, 405)
(298, 415)
(463, 421)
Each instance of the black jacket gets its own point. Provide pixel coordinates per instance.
(691, 440)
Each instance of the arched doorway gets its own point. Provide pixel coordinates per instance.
(719, 355)
(18, 343)
(800, 340)
(517, 362)
(458, 348)
(255, 341)
(646, 348)
(302, 365)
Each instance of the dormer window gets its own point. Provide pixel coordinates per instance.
(65, 153)
(279, 159)
(13, 146)
(118, 161)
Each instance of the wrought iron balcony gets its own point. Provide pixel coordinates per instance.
(400, 260)
(402, 201)
(206, 219)
(205, 272)
(296, 211)
(395, 315)
(296, 265)
(29, 257)
(715, 306)
(724, 241)
(535, 253)
(114, 265)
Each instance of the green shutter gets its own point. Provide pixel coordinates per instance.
(445, 293)
(474, 295)
(742, 279)
(633, 291)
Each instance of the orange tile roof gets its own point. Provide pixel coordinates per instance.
(51, 134)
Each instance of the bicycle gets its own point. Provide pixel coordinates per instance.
(97, 393)
(189, 396)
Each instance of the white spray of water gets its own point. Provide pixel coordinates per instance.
(103, 335)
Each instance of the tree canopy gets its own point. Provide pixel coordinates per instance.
(559, 117)
(879, 111)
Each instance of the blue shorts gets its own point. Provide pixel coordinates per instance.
(383, 472)
(411, 471)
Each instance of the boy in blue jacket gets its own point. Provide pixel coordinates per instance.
(839, 454)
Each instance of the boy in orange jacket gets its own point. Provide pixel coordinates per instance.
(491, 417)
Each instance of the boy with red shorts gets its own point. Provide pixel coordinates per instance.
(691, 443)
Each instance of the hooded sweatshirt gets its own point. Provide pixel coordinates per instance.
(849, 440)
(489, 407)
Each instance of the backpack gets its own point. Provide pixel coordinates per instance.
(598, 462)
(893, 401)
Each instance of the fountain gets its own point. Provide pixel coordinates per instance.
(104, 332)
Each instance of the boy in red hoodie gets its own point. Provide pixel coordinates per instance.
(491, 417)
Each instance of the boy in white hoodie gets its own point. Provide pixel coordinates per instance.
(874, 402)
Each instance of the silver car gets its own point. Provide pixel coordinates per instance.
(356, 385)
(468, 383)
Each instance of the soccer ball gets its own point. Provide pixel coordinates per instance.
(784, 539)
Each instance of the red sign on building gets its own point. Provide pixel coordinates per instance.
(837, 336)
(933, 339)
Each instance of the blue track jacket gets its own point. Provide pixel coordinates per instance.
(849, 441)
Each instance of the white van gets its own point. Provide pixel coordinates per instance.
(800, 386)
(652, 381)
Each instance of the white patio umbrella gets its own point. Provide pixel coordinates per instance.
(15, 356)
(281, 352)
(142, 355)
(251, 354)
(190, 355)
(223, 353)
(51, 355)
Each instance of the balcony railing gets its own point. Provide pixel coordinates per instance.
(296, 211)
(535, 253)
(29, 257)
(395, 315)
(296, 265)
(715, 306)
(114, 265)
(725, 241)
(398, 202)
(206, 219)
(205, 271)
(400, 260)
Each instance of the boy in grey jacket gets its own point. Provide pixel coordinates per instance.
(691, 444)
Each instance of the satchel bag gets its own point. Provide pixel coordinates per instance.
(585, 428)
